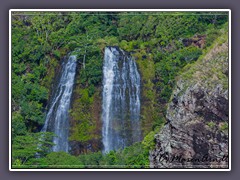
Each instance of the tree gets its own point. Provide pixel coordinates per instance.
(30, 146)
(62, 160)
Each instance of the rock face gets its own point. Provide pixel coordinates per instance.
(198, 40)
(196, 132)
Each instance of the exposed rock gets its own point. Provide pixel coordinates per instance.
(197, 40)
(77, 148)
(196, 134)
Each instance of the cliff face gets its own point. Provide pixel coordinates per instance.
(196, 134)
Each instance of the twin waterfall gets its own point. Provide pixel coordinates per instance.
(120, 102)
(57, 116)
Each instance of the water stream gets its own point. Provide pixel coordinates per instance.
(121, 100)
(57, 120)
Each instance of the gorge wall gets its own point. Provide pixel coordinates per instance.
(196, 132)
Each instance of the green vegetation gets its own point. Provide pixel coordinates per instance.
(163, 44)
(135, 156)
(26, 148)
(216, 72)
(224, 127)
(211, 124)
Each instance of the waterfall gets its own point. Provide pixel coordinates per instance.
(121, 100)
(57, 116)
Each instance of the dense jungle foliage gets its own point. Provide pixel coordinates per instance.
(162, 43)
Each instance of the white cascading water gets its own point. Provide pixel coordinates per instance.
(121, 100)
(57, 116)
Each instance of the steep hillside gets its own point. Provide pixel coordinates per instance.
(196, 132)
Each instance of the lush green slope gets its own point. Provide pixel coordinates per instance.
(162, 44)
